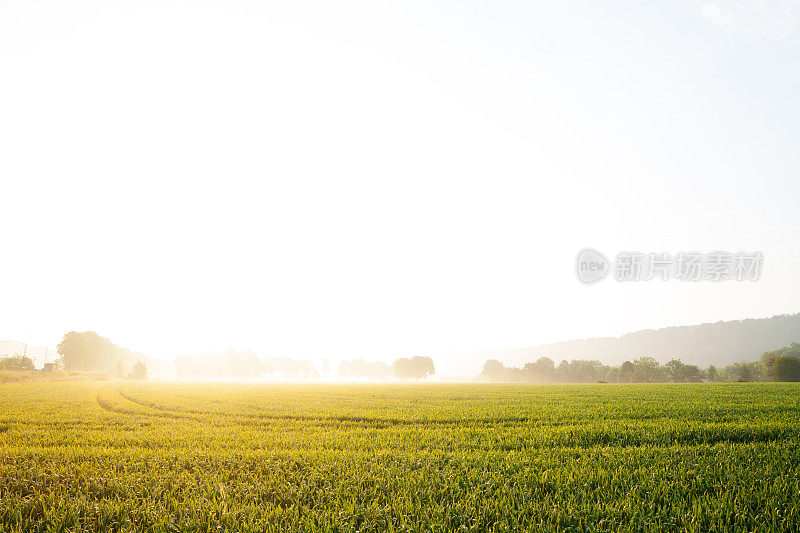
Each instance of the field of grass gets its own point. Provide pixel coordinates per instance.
(35, 376)
(214, 457)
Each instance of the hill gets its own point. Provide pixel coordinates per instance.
(718, 343)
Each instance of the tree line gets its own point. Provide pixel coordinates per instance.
(16, 363)
(91, 353)
(719, 344)
(87, 351)
(245, 364)
(778, 365)
(403, 368)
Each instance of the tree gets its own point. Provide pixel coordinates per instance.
(692, 374)
(139, 371)
(86, 352)
(647, 370)
(243, 364)
(743, 372)
(378, 370)
(562, 370)
(626, 372)
(16, 362)
(542, 370)
(784, 368)
(580, 371)
(89, 352)
(493, 370)
(611, 374)
(681, 373)
(782, 364)
(414, 368)
(119, 370)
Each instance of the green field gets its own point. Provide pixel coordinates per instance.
(215, 457)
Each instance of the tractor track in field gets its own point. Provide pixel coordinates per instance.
(112, 408)
(162, 411)
(142, 408)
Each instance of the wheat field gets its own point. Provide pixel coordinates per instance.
(124, 456)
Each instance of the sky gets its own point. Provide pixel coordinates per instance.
(386, 179)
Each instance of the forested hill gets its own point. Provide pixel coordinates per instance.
(719, 343)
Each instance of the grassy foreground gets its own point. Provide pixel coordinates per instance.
(188, 457)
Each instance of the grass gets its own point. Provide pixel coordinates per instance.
(36, 376)
(214, 457)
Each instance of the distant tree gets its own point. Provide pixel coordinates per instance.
(611, 374)
(712, 373)
(297, 368)
(719, 343)
(493, 370)
(681, 373)
(243, 364)
(119, 370)
(793, 349)
(86, 352)
(286, 367)
(782, 364)
(626, 371)
(647, 370)
(89, 352)
(414, 368)
(784, 368)
(673, 370)
(692, 374)
(16, 362)
(742, 372)
(542, 370)
(580, 371)
(139, 371)
(562, 370)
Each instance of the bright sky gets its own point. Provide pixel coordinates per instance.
(376, 179)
